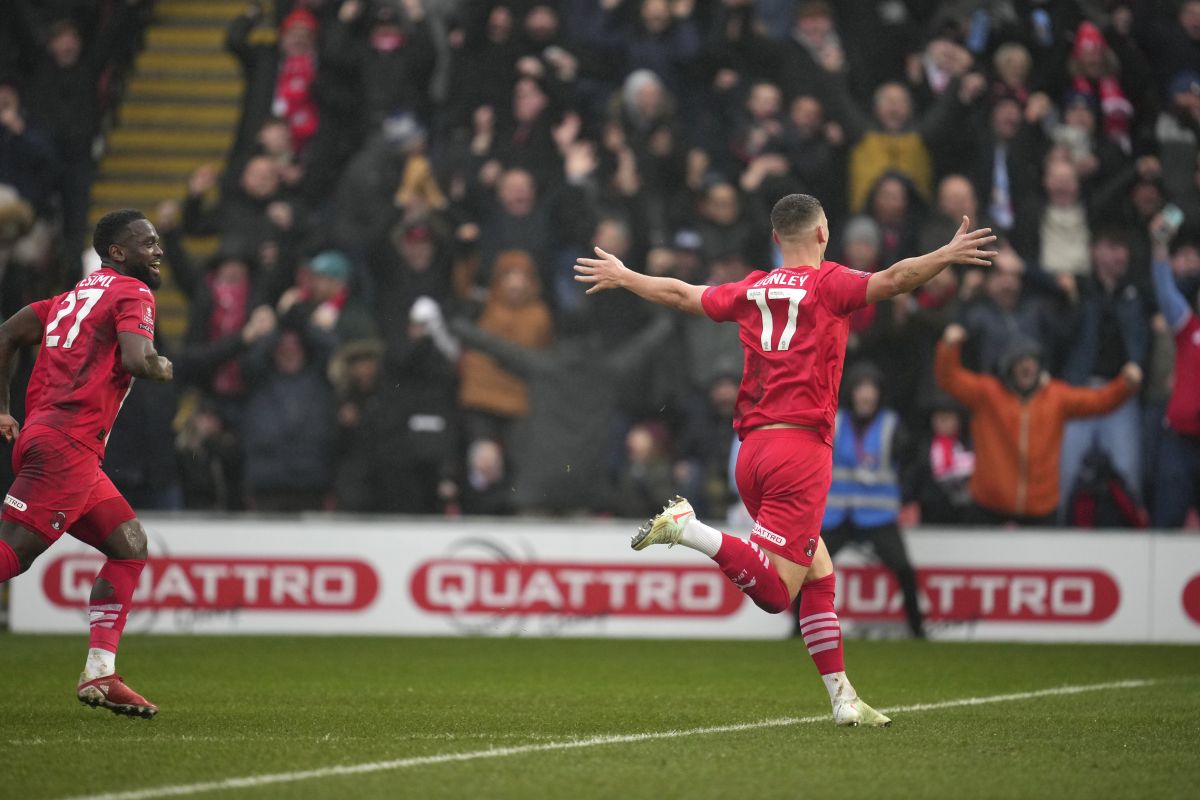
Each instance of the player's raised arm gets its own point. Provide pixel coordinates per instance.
(22, 330)
(902, 277)
(141, 360)
(607, 272)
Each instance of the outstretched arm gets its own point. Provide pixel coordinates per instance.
(607, 272)
(141, 360)
(904, 276)
(22, 330)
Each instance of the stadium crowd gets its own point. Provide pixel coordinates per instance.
(391, 324)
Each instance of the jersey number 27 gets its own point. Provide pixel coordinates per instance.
(761, 296)
(89, 297)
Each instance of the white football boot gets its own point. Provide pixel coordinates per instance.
(852, 712)
(667, 527)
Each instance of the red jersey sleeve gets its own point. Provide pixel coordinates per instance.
(134, 312)
(42, 308)
(844, 290)
(720, 301)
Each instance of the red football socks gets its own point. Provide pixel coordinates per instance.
(10, 565)
(748, 567)
(819, 625)
(108, 615)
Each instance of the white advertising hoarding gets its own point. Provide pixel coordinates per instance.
(570, 578)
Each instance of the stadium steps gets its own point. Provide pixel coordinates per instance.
(180, 110)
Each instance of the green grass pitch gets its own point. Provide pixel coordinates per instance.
(253, 706)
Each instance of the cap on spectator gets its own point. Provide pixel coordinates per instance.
(300, 16)
(1088, 38)
(862, 229)
(1186, 82)
(418, 232)
(331, 264)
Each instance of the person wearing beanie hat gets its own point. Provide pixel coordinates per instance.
(1094, 68)
(1017, 423)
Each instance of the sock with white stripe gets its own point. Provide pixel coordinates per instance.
(108, 610)
(822, 632)
(751, 570)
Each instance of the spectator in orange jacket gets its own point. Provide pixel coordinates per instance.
(1017, 424)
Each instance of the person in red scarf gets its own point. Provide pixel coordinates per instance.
(1094, 68)
(294, 100)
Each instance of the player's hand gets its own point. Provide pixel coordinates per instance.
(967, 246)
(166, 370)
(954, 334)
(9, 428)
(605, 272)
(1132, 374)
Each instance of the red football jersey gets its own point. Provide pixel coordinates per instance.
(794, 322)
(1183, 409)
(78, 383)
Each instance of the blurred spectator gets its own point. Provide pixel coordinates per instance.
(1177, 485)
(864, 500)
(208, 456)
(28, 160)
(891, 140)
(941, 471)
(1055, 233)
(559, 455)
(63, 75)
(1007, 310)
(289, 433)
(646, 477)
(895, 207)
(1004, 169)
(248, 215)
(1174, 43)
(389, 58)
(1095, 72)
(279, 76)
(359, 478)
(1017, 423)
(486, 490)
(322, 298)
(1112, 329)
(1178, 134)
(492, 397)
(418, 449)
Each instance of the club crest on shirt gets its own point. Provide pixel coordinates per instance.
(60, 519)
(811, 549)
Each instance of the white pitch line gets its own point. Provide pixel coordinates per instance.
(253, 781)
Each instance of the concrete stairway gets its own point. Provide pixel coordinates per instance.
(180, 110)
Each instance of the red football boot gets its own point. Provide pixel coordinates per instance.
(111, 692)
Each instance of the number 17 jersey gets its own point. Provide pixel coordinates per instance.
(793, 323)
(78, 383)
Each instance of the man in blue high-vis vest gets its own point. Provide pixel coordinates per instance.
(864, 499)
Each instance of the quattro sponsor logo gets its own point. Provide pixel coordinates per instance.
(470, 586)
(770, 536)
(983, 595)
(1191, 599)
(19, 505)
(226, 584)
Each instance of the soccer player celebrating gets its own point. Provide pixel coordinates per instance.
(95, 339)
(794, 324)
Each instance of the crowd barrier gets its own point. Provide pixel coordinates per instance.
(339, 575)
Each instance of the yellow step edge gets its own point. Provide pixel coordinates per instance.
(136, 139)
(146, 194)
(182, 88)
(197, 36)
(150, 163)
(187, 63)
(199, 8)
(160, 113)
